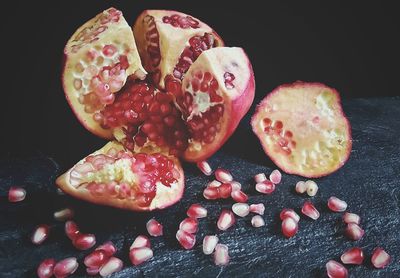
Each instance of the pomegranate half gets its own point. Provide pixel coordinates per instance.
(116, 177)
(303, 129)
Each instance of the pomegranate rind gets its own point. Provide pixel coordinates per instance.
(236, 100)
(172, 40)
(165, 195)
(119, 33)
(313, 113)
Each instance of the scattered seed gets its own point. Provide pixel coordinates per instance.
(257, 221)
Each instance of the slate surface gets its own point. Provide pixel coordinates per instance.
(369, 182)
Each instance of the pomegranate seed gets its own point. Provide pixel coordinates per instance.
(196, 211)
(209, 243)
(257, 208)
(311, 188)
(221, 255)
(111, 266)
(336, 270)
(214, 183)
(189, 225)
(84, 241)
(40, 234)
(140, 255)
(309, 210)
(92, 271)
(140, 242)
(108, 248)
(185, 239)
(275, 177)
(349, 217)
(265, 187)
(260, 177)
(336, 205)
(65, 267)
(239, 196)
(45, 269)
(64, 214)
(211, 193)
(380, 258)
(235, 185)
(353, 256)
(301, 187)
(154, 228)
(225, 220)
(241, 209)
(289, 227)
(289, 213)
(223, 175)
(95, 259)
(204, 167)
(225, 190)
(16, 194)
(354, 232)
(257, 221)
(71, 230)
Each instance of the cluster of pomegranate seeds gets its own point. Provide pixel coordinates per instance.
(336, 205)
(309, 210)
(65, 267)
(182, 21)
(336, 270)
(140, 250)
(204, 167)
(196, 211)
(290, 220)
(45, 268)
(226, 220)
(79, 241)
(96, 262)
(353, 255)
(16, 194)
(40, 234)
(64, 214)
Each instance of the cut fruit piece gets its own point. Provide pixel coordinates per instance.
(303, 129)
(170, 41)
(99, 57)
(115, 177)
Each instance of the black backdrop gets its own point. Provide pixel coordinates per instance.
(349, 46)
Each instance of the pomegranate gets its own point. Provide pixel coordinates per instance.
(303, 129)
(117, 177)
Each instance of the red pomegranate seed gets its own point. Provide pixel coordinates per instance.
(241, 209)
(349, 217)
(40, 234)
(260, 177)
(108, 248)
(289, 213)
(289, 227)
(84, 241)
(353, 256)
(204, 167)
(211, 193)
(221, 255)
(265, 187)
(380, 258)
(257, 208)
(111, 266)
(140, 255)
(336, 270)
(71, 230)
(239, 196)
(185, 239)
(225, 190)
(354, 232)
(92, 271)
(225, 220)
(309, 210)
(275, 177)
(16, 194)
(311, 188)
(154, 228)
(301, 187)
(214, 183)
(95, 259)
(223, 175)
(336, 205)
(196, 211)
(45, 269)
(257, 221)
(65, 267)
(140, 242)
(209, 243)
(189, 225)
(64, 214)
(235, 185)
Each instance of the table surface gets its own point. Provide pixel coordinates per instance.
(369, 183)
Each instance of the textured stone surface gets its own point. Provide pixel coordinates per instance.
(369, 183)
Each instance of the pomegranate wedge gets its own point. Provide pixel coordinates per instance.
(303, 129)
(115, 177)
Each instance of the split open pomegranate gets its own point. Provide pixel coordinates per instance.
(303, 129)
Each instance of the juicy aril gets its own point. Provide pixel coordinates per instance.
(303, 129)
(192, 101)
